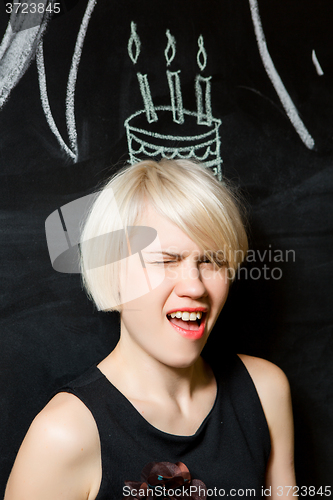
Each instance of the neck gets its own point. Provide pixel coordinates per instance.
(140, 375)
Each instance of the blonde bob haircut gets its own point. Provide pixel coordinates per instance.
(186, 193)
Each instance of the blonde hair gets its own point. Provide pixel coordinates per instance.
(186, 193)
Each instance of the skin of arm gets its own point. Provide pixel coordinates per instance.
(59, 456)
(274, 392)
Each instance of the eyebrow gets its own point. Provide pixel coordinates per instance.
(170, 254)
(163, 252)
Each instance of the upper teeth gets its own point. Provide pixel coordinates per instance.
(186, 316)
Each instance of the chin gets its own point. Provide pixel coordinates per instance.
(181, 360)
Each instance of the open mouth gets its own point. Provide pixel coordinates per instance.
(185, 324)
(188, 324)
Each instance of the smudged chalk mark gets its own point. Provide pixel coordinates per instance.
(45, 100)
(273, 75)
(263, 96)
(317, 64)
(70, 95)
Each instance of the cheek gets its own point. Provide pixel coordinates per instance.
(136, 279)
(133, 279)
(218, 289)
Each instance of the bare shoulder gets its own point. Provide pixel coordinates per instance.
(66, 424)
(273, 389)
(60, 454)
(67, 420)
(272, 386)
(266, 375)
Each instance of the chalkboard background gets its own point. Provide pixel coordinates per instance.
(275, 101)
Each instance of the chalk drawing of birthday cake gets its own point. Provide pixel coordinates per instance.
(172, 131)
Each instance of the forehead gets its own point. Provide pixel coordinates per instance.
(169, 235)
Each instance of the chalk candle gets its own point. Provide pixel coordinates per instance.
(191, 139)
(203, 88)
(134, 42)
(174, 81)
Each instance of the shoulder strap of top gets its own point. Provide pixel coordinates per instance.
(237, 382)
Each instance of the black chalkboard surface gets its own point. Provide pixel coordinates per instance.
(247, 86)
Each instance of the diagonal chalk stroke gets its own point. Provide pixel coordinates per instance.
(6, 41)
(316, 63)
(70, 95)
(273, 75)
(147, 98)
(45, 100)
(17, 51)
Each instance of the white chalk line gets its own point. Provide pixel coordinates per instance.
(191, 147)
(202, 88)
(273, 75)
(174, 81)
(176, 96)
(217, 122)
(147, 98)
(45, 100)
(147, 149)
(134, 38)
(144, 143)
(5, 41)
(17, 51)
(317, 64)
(204, 107)
(170, 45)
(201, 52)
(142, 79)
(200, 146)
(70, 95)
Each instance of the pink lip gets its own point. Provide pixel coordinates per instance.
(191, 334)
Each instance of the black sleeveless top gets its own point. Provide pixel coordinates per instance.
(228, 452)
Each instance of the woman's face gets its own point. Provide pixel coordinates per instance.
(189, 283)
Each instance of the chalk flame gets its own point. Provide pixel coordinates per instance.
(171, 46)
(201, 55)
(134, 40)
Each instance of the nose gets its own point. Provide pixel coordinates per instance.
(189, 282)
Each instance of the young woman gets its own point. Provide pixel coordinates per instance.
(161, 245)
